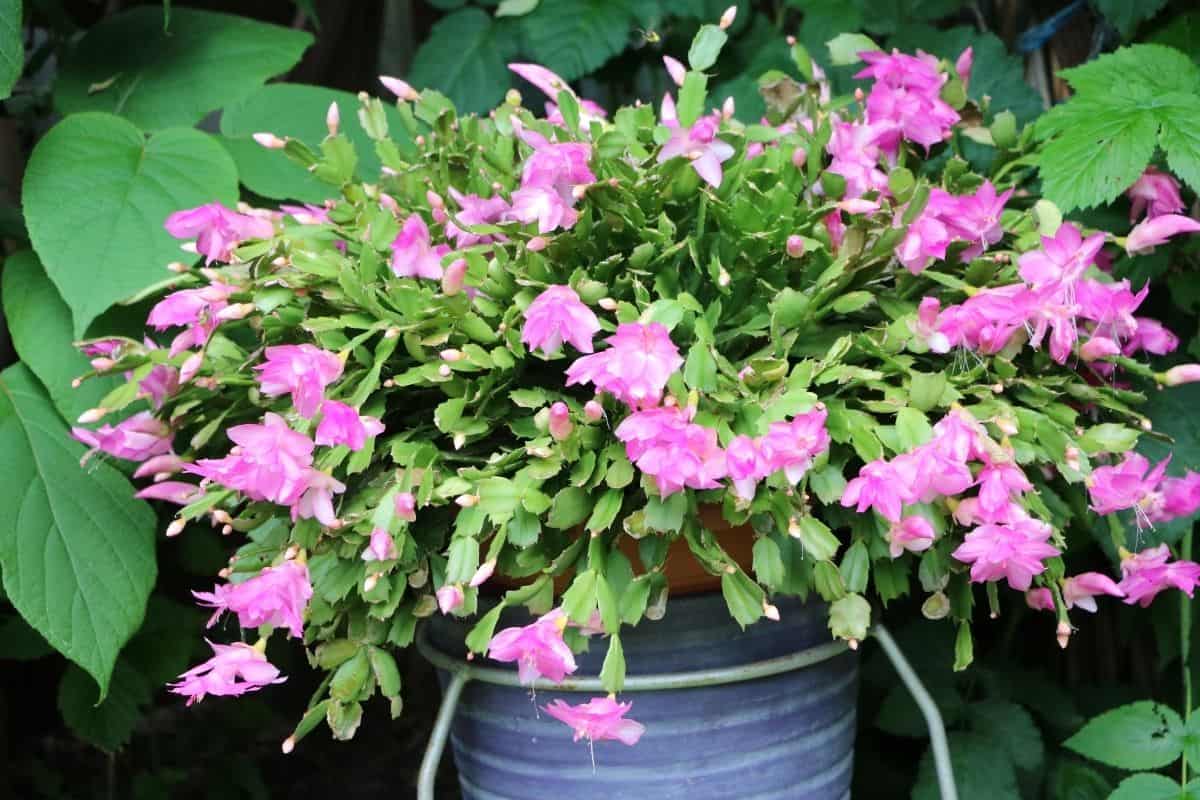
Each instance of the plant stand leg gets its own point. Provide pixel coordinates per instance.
(933, 717)
(441, 732)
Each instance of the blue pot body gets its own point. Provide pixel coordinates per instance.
(785, 737)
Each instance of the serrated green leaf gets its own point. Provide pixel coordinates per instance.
(1180, 135)
(205, 61)
(1012, 728)
(1139, 736)
(76, 550)
(576, 38)
(96, 193)
(464, 57)
(40, 325)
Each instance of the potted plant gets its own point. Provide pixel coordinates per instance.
(537, 364)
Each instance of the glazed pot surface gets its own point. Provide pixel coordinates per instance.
(786, 736)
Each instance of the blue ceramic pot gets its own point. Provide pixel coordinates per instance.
(789, 736)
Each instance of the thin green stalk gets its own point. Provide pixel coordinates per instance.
(1185, 648)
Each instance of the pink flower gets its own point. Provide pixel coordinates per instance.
(1078, 591)
(1155, 193)
(342, 424)
(190, 306)
(976, 218)
(856, 148)
(926, 239)
(381, 547)
(906, 94)
(316, 501)
(963, 64)
(160, 383)
(1181, 374)
(217, 230)
(880, 487)
(960, 436)
(543, 205)
(1126, 485)
(233, 670)
(303, 370)
(791, 446)
(700, 145)
(929, 471)
(1181, 497)
(1153, 232)
(558, 166)
(270, 462)
(557, 315)
(538, 648)
(1151, 336)
(925, 328)
(598, 719)
(412, 254)
(745, 465)
(998, 483)
(913, 534)
(551, 84)
(1015, 552)
(406, 506)
(483, 573)
(636, 366)
(560, 421)
(449, 597)
(1063, 258)
(307, 214)
(177, 492)
(135, 438)
(675, 69)
(276, 596)
(1110, 306)
(1147, 573)
(665, 444)
(476, 210)
(1098, 347)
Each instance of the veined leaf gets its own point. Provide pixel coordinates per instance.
(464, 57)
(576, 38)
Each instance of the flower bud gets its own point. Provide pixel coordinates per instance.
(723, 278)
(728, 17)
(675, 69)
(445, 371)
(289, 744)
(449, 598)
(333, 118)
(399, 88)
(92, 415)
(536, 244)
(484, 572)
(1098, 347)
(178, 267)
(102, 364)
(795, 246)
(434, 199)
(389, 202)
(593, 411)
(560, 421)
(1063, 633)
(454, 277)
(770, 612)
(270, 141)
(799, 156)
(235, 311)
(607, 303)
(467, 500)
(176, 527)
(371, 582)
(1184, 373)
(452, 355)
(727, 109)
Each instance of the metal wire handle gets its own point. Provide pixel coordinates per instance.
(461, 671)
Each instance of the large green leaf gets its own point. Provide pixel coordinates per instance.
(1124, 15)
(1139, 736)
(129, 65)
(464, 58)
(983, 770)
(297, 111)
(1182, 33)
(1147, 787)
(96, 194)
(76, 549)
(576, 38)
(40, 325)
(109, 725)
(12, 50)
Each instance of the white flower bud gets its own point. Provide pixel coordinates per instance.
(270, 141)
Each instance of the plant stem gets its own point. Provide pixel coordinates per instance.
(1185, 649)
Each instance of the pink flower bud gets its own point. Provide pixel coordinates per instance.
(399, 88)
(439, 215)
(593, 411)
(484, 572)
(434, 199)
(445, 371)
(1098, 347)
(406, 506)
(449, 598)
(454, 277)
(728, 17)
(270, 141)
(536, 244)
(333, 118)
(727, 109)
(389, 202)
(92, 415)
(102, 364)
(795, 246)
(176, 527)
(1184, 373)
(770, 612)
(799, 156)
(235, 311)
(676, 70)
(560, 421)
(452, 355)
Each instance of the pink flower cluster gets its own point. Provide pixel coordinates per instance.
(664, 443)
(217, 230)
(549, 179)
(789, 447)
(906, 96)
(277, 596)
(949, 218)
(1134, 484)
(301, 370)
(636, 366)
(1145, 574)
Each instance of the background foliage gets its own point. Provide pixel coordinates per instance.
(100, 140)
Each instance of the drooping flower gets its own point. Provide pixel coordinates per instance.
(217, 230)
(1015, 552)
(234, 669)
(413, 256)
(636, 366)
(135, 438)
(1151, 336)
(1079, 591)
(877, 486)
(476, 210)
(745, 466)
(914, 534)
(178, 492)
(1147, 573)
(270, 462)
(557, 315)
(342, 424)
(700, 145)
(665, 444)
(1156, 193)
(302, 370)
(381, 547)
(1181, 374)
(598, 719)
(1180, 497)
(538, 648)
(1153, 232)
(792, 445)
(1125, 485)
(160, 383)
(449, 597)
(406, 506)
(316, 500)
(276, 596)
